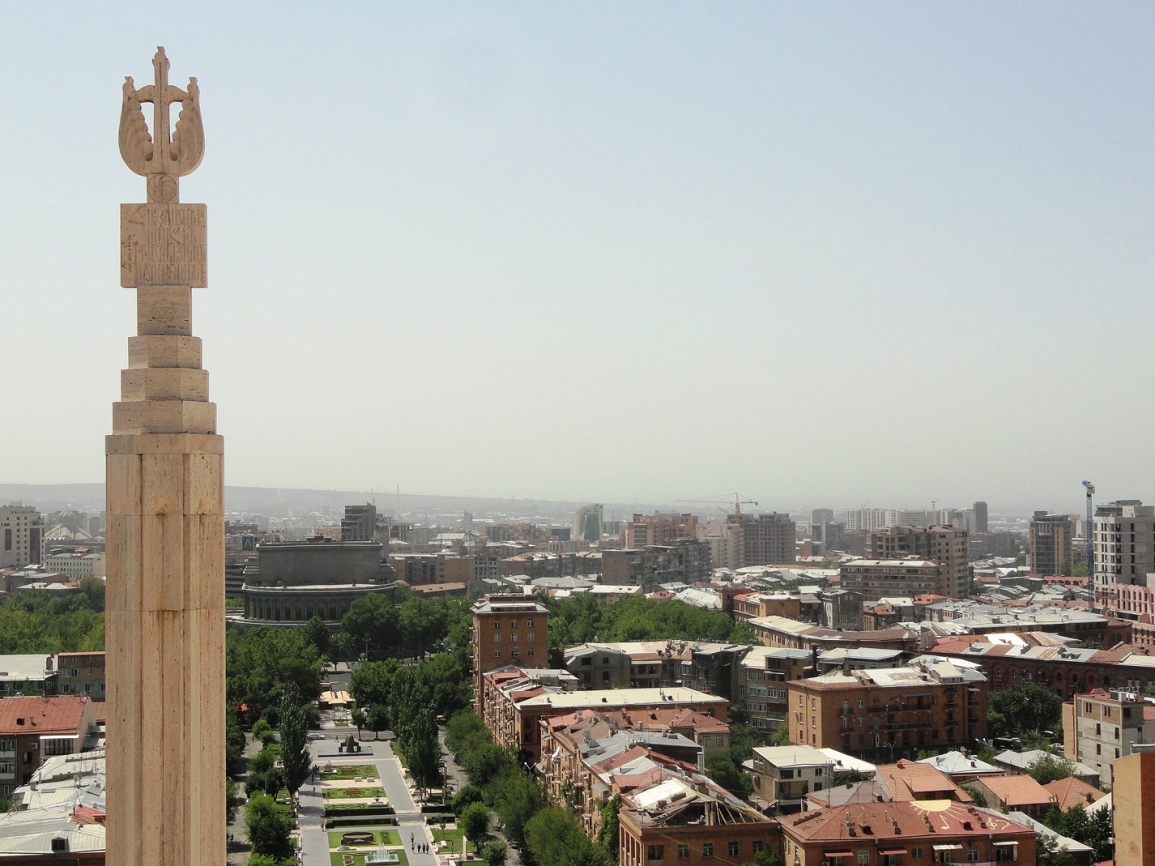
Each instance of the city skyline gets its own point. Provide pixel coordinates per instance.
(640, 255)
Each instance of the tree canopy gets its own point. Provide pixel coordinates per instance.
(261, 662)
(37, 621)
(582, 618)
(1022, 708)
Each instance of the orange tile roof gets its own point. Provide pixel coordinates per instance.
(940, 820)
(38, 715)
(910, 780)
(1071, 792)
(1017, 790)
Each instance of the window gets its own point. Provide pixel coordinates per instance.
(972, 855)
(513, 623)
(531, 648)
(732, 848)
(7, 744)
(655, 852)
(497, 638)
(497, 623)
(7, 768)
(863, 858)
(683, 852)
(497, 654)
(531, 637)
(915, 853)
(708, 849)
(758, 846)
(529, 623)
(512, 637)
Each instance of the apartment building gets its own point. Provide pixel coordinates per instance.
(515, 700)
(762, 688)
(889, 713)
(1050, 543)
(683, 561)
(507, 629)
(35, 728)
(21, 536)
(878, 578)
(784, 775)
(644, 530)
(82, 674)
(897, 834)
(1123, 556)
(756, 539)
(1101, 727)
(945, 546)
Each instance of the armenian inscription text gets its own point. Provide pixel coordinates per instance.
(163, 245)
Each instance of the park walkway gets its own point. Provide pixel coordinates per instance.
(410, 823)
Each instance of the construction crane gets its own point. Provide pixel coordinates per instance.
(739, 501)
(1089, 532)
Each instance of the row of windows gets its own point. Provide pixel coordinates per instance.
(512, 623)
(733, 849)
(513, 653)
(531, 637)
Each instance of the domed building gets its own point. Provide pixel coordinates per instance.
(296, 581)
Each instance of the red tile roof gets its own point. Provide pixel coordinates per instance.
(1071, 792)
(37, 715)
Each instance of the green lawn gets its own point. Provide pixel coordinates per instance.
(338, 859)
(351, 806)
(381, 837)
(354, 793)
(453, 837)
(348, 771)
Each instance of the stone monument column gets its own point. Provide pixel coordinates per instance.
(165, 532)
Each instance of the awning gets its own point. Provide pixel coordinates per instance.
(1004, 844)
(886, 851)
(947, 847)
(834, 854)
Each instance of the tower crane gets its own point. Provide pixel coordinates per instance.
(1089, 532)
(739, 501)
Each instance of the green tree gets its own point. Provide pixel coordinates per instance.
(780, 735)
(976, 794)
(517, 797)
(723, 771)
(261, 662)
(234, 745)
(1048, 768)
(765, 857)
(357, 717)
(269, 827)
(743, 634)
(554, 838)
(372, 682)
(468, 794)
(608, 835)
(295, 757)
(474, 821)
(317, 633)
(495, 853)
(377, 718)
(233, 800)
(421, 748)
(1023, 708)
(372, 620)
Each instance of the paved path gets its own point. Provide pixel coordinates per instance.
(410, 823)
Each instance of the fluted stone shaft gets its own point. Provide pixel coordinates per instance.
(165, 602)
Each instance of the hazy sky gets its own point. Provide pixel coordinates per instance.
(815, 253)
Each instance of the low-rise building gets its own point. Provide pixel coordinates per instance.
(762, 686)
(82, 674)
(1100, 727)
(962, 766)
(1015, 793)
(784, 775)
(876, 578)
(515, 700)
(34, 674)
(35, 728)
(914, 832)
(891, 712)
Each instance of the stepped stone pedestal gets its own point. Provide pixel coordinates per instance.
(165, 513)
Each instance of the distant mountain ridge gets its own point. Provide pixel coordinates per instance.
(279, 501)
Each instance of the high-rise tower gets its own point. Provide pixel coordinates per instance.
(165, 533)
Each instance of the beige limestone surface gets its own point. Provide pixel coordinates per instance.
(165, 531)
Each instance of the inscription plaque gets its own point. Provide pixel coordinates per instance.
(163, 245)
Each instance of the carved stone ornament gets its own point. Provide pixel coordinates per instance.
(160, 157)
